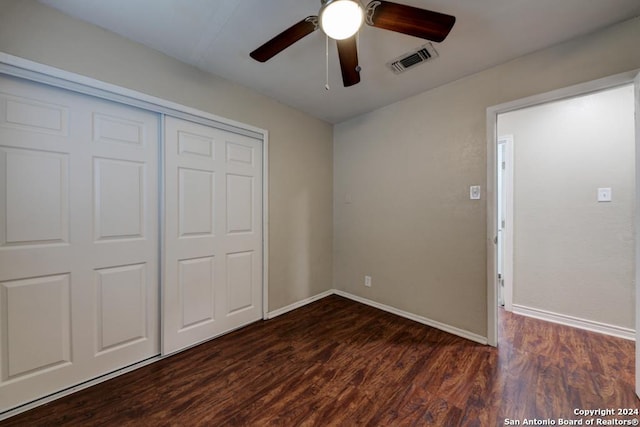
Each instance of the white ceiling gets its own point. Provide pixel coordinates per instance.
(217, 36)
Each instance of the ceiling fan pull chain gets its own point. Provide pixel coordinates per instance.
(326, 86)
(358, 68)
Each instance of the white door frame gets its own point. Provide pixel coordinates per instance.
(11, 65)
(492, 177)
(507, 231)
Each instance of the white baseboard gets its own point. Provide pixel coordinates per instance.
(576, 322)
(295, 305)
(415, 317)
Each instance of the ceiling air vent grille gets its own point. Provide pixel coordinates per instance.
(412, 59)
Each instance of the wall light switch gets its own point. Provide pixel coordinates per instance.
(474, 192)
(604, 194)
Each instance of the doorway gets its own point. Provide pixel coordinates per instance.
(492, 184)
(573, 219)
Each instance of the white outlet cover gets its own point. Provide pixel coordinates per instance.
(604, 194)
(474, 192)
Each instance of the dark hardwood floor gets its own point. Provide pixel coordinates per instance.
(338, 362)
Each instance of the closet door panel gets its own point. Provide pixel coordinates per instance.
(78, 239)
(213, 233)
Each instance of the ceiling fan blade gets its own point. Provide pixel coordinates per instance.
(409, 20)
(285, 39)
(348, 55)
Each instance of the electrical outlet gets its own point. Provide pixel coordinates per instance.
(367, 281)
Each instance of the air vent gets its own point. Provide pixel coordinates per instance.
(412, 59)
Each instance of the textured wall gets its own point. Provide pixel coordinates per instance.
(407, 169)
(573, 255)
(300, 146)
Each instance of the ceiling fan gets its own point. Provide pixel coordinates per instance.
(341, 20)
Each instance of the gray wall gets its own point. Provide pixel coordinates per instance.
(300, 146)
(407, 168)
(572, 255)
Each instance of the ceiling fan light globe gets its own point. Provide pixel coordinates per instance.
(341, 19)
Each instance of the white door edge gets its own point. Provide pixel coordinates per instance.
(507, 254)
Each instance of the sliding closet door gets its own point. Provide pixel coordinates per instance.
(213, 239)
(78, 239)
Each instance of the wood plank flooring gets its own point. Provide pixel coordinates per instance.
(340, 363)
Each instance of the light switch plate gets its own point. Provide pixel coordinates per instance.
(604, 194)
(474, 192)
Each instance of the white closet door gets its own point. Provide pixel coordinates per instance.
(213, 238)
(78, 239)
